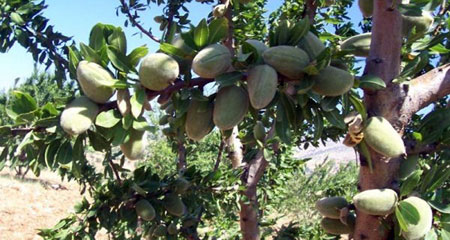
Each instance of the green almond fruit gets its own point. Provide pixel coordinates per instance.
(330, 207)
(382, 137)
(287, 60)
(262, 82)
(181, 185)
(212, 61)
(145, 210)
(335, 226)
(78, 115)
(134, 147)
(160, 231)
(366, 7)
(172, 229)
(312, 45)
(158, 71)
(421, 24)
(95, 81)
(332, 82)
(199, 119)
(230, 107)
(378, 202)
(419, 230)
(358, 45)
(173, 204)
(258, 45)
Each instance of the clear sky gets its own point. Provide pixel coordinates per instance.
(76, 18)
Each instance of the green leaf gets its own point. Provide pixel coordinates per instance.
(359, 106)
(118, 40)
(328, 104)
(441, 207)
(335, 119)
(90, 54)
(142, 125)
(218, 30)
(17, 19)
(108, 119)
(371, 82)
(135, 56)
(20, 104)
(364, 149)
(96, 37)
(172, 50)
(229, 78)
(439, 49)
(410, 183)
(201, 34)
(64, 154)
(50, 153)
(118, 59)
(409, 213)
(300, 29)
(415, 66)
(282, 124)
(137, 102)
(97, 141)
(73, 60)
(318, 126)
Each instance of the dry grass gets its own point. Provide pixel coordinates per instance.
(31, 203)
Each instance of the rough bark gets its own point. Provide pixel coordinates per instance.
(249, 205)
(384, 62)
(234, 148)
(397, 103)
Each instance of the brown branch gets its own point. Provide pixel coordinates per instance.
(219, 155)
(23, 131)
(414, 148)
(116, 173)
(181, 161)
(228, 42)
(135, 23)
(310, 8)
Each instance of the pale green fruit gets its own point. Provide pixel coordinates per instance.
(312, 45)
(382, 137)
(335, 226)
(262, 82)
(158, 71)
(287, 60)
(420, 23)
(358, 45)
(78, 115)
(174, 205)
(230, 107)
(145, 210)
(123, 101)
(330, 207)
(366, 7)
(199, 119)
(378, 202)
(258, 45)
(212, 61)
(172, 229)
(95, 81)
(181, 185)
(419, 230)
(134, 147)
(332, 82)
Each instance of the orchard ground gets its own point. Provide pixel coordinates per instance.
(32, 203)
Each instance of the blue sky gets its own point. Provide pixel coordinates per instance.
(76, 18)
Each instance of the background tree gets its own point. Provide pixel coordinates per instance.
(406, 70)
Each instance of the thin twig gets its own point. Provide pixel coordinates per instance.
(219, 155)
(116, 173)
(181, 161)
(135, 23)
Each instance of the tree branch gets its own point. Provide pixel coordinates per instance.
(126, 9)
(116, 173)
(413, 148)
(309, 8)
(219, 155)
(181, 161)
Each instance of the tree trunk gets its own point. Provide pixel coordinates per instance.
(384, 62)
(249, 219)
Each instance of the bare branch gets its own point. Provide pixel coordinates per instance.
(181, 161)
(135, 23)
(413, 148)
(219, 155)
(309, 9)
(116, 173)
